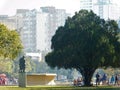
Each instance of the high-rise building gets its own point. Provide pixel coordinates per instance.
(100, 6)
(37, 27)
(41, 30)
(104, 8)
(26, 25)
(86, 4)
(55, 18)
(20, 15)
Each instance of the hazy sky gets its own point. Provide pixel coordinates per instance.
(9, 7)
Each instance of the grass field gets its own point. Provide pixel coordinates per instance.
(58, 88)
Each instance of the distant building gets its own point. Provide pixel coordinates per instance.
(86, 4)
(10, 22)
(55, 18)
(104, 8)
(118, 22)
(41, 30)
(26, 26)
(36, 28)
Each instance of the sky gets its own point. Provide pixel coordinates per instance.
(8, 7)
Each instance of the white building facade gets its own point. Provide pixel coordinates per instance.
(55, 18)
(41, 30)
(37, 27)
(104, 8)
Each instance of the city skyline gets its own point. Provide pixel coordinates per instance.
(9, 8)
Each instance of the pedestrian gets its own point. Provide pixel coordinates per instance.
(104, 79)
(116, 80)
(79, 81)
(112, 80)
(97, 79)
(75, 82)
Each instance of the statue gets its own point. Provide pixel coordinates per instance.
(22, 64)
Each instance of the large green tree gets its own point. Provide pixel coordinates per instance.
(10, 43)
(86, 42)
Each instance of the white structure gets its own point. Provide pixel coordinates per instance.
(106, 9)
(41, 29)
(86, 4)
(37, 28)
(103, 8)
(34, 56)
(26, 25)
(55, 18)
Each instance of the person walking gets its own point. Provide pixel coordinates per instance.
(97, 79)
(104, 79)
(75, 82)
(112, 80)
(116, 80)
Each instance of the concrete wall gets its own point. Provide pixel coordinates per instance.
(41, 79)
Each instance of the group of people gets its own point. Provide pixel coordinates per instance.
(99, 79)
(2, 81)
(114, 80)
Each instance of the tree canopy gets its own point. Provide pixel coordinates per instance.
(86, 42)
(10, 43)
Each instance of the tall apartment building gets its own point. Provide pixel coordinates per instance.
(86, 4)
(100, 6)
(20, 15)
(41, 30)
(55, 18)
(107, 10)
(26, 25)
(37, 27)
(103, 8)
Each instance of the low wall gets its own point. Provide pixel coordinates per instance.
(41, 79)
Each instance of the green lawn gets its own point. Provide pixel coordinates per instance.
(58, 88)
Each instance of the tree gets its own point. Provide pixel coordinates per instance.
(5, 66)
(86, 43)
(10, 43)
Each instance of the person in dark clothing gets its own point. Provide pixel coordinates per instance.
(116, 80)
(104, 79)
(97, 79)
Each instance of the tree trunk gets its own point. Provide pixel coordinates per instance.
(87, 74)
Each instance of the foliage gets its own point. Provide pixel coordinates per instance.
(10, 43)
(10, 47)
(86, 43)
(30, 65)
(6, 67)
